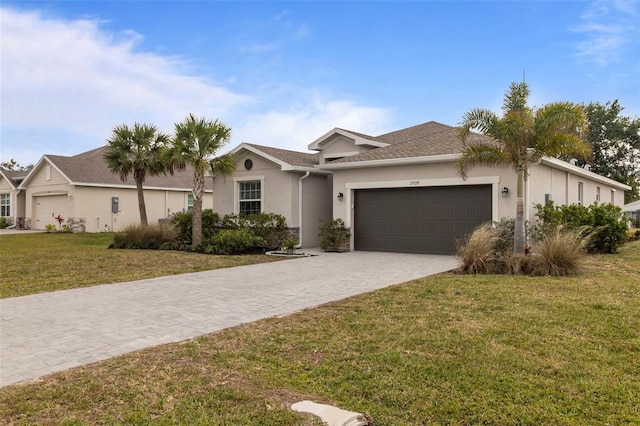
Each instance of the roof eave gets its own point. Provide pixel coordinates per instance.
(391, 162)
(563, 165)
(358, 140)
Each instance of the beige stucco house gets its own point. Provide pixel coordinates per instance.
(396, 192)
(90, 198)
(11, 197)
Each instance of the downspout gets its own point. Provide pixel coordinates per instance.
(306, 175)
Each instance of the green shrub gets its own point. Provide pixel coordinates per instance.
(3, 223)
(334, 236)
(270, 227)
(234, 241)
(183, 225)
(606, 223)
(50, 228)
(151, 237)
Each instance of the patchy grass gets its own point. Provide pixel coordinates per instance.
(35, 263)
(452, 349)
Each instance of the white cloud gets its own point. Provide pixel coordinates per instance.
(75, 77)
(608, 27)
(298, 126)
(66, 84)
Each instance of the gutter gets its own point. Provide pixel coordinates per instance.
(306, 175)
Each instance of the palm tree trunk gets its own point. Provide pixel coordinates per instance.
(519, 237)
(141, 206)
(198, 191)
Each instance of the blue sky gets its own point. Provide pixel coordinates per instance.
(285, 73)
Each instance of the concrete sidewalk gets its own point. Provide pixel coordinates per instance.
(44, 333)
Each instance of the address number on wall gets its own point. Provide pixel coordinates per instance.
(414, 182)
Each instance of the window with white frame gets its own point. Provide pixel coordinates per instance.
(250, 197)
(580, 193)
(597, 193)
(190, 202)
(613, 196)
(5, 205)
(47, 172)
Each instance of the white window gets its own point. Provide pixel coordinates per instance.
(613, 196)
(47, 171)
(597, 193)
(250, 197)
(5, 205)
(580, 193)
(190, 202)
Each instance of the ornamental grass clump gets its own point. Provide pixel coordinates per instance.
(561, 251)
(478, 252)
(152, 237)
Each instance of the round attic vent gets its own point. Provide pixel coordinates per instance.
(248, 164)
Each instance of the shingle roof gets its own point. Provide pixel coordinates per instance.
(15, 177)
(294, 158)
(89, 167)
(423, 140)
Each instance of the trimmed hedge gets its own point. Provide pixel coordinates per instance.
(606, 223)
(255, 233)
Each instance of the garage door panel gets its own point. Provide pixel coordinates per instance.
(419, 220)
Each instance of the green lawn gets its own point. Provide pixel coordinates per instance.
(447, 349)
(35, 263)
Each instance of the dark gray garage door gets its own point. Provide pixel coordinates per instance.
(425, 220)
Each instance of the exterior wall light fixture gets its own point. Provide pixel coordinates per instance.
(505, 192)
(340, 196)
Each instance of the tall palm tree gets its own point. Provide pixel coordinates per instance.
(196, 143)
(521, 136)
(136, 151)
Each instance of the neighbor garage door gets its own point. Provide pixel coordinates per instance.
(425, 220)
(47, 208)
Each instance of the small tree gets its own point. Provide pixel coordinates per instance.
(136, 151)
(521, 136)
(196, 143)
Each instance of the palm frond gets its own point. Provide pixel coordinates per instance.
(516, 98)
(482, 120)
(479, 154)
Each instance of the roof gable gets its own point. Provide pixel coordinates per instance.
(287, 160)
(14, 178)
(89, 168)
(358, 139)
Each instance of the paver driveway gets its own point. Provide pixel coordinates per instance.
(44, 333)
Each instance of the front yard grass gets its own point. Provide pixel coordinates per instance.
(35, 263)
(446, 349)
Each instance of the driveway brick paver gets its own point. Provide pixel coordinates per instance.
(44, 333)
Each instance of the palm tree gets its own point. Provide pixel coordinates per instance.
(521, 136)
(196, 143)
(136, 151)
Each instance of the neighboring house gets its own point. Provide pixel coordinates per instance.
(11, 197)
(632, 210)
(89, 197)
(397, 192)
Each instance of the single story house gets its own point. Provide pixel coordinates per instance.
(632, 210)
(89, 197)
(11, 197)
(396, 192)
